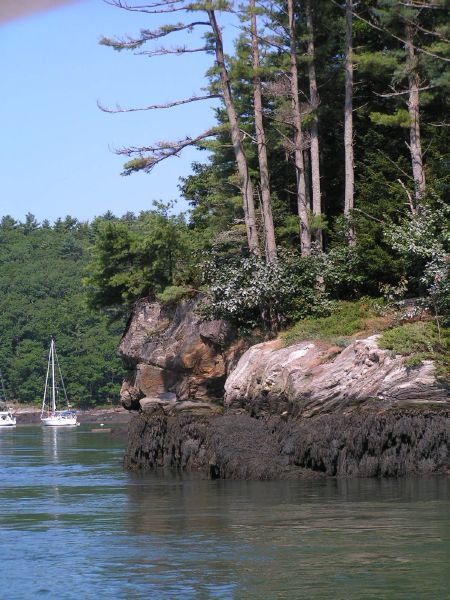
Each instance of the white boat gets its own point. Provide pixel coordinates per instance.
(7, 419)
(51, 413)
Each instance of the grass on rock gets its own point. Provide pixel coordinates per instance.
(349, 320)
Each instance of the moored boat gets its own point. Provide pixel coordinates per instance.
(51, 414)
(7, 419)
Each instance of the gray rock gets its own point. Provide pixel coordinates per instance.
(305, 379)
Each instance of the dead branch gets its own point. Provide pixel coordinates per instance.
(422, 89)
(148, 35)
(422, 4)
(437, 34)
(152, 8)
(395, 165)
(165, 51)
(119, 109)
(369, 216)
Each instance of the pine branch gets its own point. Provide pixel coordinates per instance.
(119, 109)
(393, 35)
(148, 35)
(179, 50)
(159, 152)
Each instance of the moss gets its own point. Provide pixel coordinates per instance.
(420, 341)
(346, 321)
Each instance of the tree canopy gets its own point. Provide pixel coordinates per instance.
(332, 132)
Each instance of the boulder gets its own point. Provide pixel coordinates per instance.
(173, 349)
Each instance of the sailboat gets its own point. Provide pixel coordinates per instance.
(54, 384)
(7, 419)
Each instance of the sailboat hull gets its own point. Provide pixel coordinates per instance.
(7, 419)
(59, 420)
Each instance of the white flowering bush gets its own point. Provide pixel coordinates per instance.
(437, 279)
(423, 239)
(251, 293)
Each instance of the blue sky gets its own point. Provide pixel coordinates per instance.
(56, 154)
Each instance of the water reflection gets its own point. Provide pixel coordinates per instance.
(317, 539)
(50, 443)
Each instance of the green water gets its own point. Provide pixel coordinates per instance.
(73, 524)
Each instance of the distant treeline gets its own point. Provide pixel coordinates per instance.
(42, 267)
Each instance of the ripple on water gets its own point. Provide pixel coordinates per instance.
(74, 525)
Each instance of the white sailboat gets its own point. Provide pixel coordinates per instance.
(7, 419)
(54, 384)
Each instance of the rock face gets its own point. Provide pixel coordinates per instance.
(171, 349)
(303, 411)
(304, 379)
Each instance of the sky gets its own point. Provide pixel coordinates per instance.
(56, 155)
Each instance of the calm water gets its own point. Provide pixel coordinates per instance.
(73, 524)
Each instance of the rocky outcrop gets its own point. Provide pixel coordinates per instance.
(309, 410)
(172, 349)
(306, 380)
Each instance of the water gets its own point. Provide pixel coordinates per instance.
(74, 525)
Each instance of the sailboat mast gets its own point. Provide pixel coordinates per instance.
(53, 377)
(3, 388)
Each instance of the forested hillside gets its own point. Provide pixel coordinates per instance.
(41, 295)
(327, 173)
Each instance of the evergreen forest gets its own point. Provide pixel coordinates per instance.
(41, 291)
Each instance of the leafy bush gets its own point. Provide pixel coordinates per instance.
(423, 239)
(251, 293)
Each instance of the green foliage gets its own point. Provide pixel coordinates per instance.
(423, 238)
(399, 119)
(133, 260)
(391, 251)
(346, 319)
(249, 292)
(41, 269)
(174, 293)
(411, 338)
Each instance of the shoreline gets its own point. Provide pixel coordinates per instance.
(30, 415)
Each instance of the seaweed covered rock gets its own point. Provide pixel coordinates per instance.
(239, 446)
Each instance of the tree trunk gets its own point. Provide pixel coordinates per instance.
(241, 159)
(348, 118)
(415, 146)
(305, 234)
(314, 128)
(270, 244)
